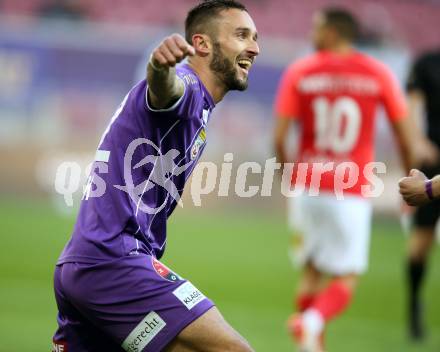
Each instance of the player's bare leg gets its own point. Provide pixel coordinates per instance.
(209, 333)
(311, 283)
(420, 243)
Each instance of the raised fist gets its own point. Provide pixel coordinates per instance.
(171, 51)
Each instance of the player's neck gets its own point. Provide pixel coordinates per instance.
(215, 88)
(342, 48)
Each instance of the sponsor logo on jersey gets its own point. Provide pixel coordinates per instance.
(59, 346)
(189, 295)
(143, 333)
(164, 271)
(200, 140)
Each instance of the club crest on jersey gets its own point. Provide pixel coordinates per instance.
(200, 140)
(164, 271)
(59, 346)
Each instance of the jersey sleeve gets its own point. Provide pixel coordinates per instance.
(287, 96)
(416, 79)
(393, 98)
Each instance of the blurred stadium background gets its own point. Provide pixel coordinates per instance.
(66, 65)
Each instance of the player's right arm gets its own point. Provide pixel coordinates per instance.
(164, 87)
(411, 142)
(404, 132)
(416, 103)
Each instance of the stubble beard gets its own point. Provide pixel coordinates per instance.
(225, 70)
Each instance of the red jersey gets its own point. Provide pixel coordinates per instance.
(335, 97)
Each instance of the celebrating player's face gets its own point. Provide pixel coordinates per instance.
(234, 49)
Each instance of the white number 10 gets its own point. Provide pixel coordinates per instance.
(330, 133)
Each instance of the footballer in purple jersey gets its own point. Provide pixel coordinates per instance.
(112, 292)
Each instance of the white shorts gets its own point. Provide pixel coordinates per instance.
(334, 235)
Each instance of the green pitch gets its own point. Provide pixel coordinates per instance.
(239, 261)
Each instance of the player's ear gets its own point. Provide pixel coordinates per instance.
(202, 44)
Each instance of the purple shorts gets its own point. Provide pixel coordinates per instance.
(134, 304)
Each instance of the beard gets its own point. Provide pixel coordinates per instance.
(226, 71)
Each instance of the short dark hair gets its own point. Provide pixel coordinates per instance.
(342, 21)
(200, 15)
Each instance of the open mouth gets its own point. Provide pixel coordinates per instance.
(245, 64)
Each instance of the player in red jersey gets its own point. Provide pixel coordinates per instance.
(333, 95)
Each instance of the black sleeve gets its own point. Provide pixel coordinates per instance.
(416, 79)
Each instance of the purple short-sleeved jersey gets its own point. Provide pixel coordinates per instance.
(143, 161)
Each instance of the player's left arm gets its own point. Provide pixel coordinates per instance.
(286, 111)
(282, 126)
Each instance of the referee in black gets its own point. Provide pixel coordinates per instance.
(424, 100)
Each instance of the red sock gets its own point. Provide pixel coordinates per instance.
(304, 301)
(333, 300)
